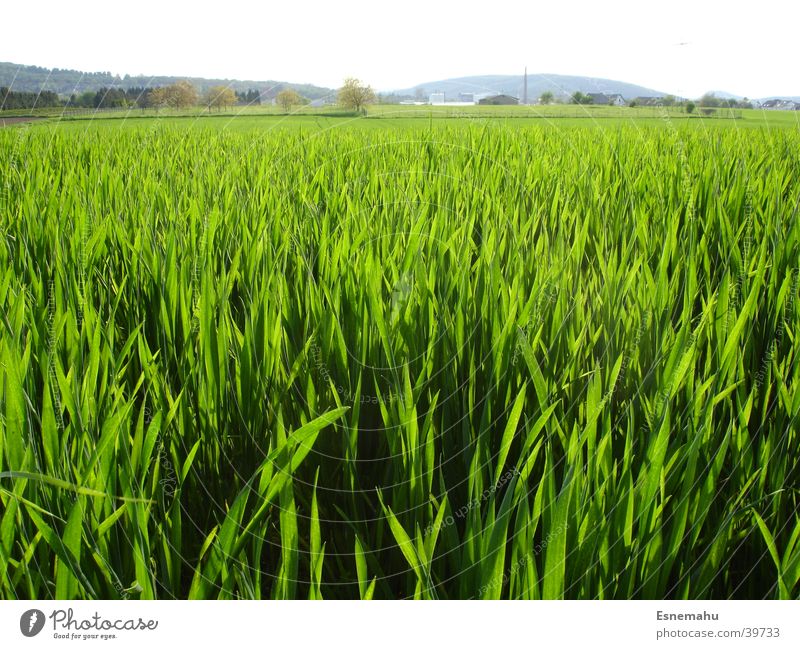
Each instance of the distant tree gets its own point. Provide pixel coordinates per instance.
(710, 100)
(181, 95)
(632, 103)
(546, 98)
(157, 98)
(287, 98)
(668, 100)
(579, 98)
(219, 97)
(133, 92)
(43, 99)
(109, 98)
(355, 95)
(135, 96)
(250, 98)
(690, 106)
(143, 99)
(11, 99)
(85, 99)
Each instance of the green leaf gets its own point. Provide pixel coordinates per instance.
(555, 563)
(508, 434)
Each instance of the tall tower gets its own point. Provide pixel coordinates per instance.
(525, 87)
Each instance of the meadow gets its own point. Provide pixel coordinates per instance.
(387, 358)
(314, 118)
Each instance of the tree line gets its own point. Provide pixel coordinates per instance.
(16, 100)
(177, 95)
(353, 95)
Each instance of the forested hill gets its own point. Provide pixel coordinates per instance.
(31, 78)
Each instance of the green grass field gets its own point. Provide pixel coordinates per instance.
(317, 357)
(248, 118)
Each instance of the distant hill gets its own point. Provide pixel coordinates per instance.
(558, 84)
(721, 94)
(31, 78)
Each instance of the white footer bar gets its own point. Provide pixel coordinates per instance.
(406, 625)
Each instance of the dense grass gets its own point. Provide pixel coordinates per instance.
(463, 362)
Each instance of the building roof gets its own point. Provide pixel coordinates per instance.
(602, 98)
(786, 104)
(498, 99)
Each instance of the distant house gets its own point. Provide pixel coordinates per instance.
(499, 100)
(436, 98)
(780, 104)
(602, 99)
(466, 97)
(478, 96)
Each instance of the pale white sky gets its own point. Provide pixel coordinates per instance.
(743, 48)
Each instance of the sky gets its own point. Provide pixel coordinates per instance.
(682, 47)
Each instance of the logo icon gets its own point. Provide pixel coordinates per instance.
(31, 622)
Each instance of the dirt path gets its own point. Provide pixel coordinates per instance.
(10, 121)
